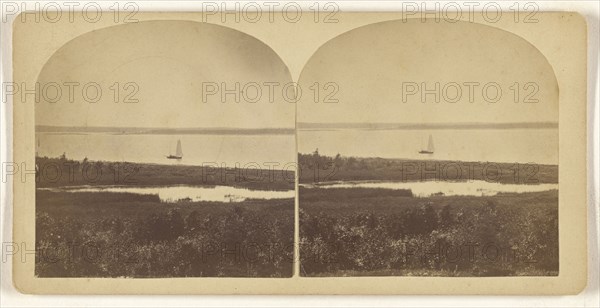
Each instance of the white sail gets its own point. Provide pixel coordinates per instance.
(179, 152)
(430, 144)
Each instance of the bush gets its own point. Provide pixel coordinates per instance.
(444, 236)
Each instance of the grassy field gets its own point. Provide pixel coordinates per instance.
(55, 172)
(104, 234)
(318, 168)
(502, 235)
(343, 232)
(384, 232)
(128, 235)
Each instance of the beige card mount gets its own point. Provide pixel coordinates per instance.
(363, 153)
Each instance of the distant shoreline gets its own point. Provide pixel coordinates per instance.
(432, 160)
(407, 126)
(163, 131)
(317, 168)
(62, 172)
(290, 131)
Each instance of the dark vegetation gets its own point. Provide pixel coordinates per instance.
(503, 235)
(320, 168)
(384, 232)
(344, 232)
(127, 235)
(104, 234)
(54, 172)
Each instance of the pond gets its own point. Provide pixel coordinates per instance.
(430, 188)
(186, 193)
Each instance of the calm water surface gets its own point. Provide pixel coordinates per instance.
(184, 192)
(429, 188)
(150, 148)
(478, 145)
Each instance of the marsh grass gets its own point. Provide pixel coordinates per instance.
(502, 235)
(108, 234)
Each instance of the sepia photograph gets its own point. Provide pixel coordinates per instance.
(326, 152)
(152, 169)
(439, 156)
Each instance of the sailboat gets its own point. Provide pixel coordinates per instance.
(429, 147)
(178, 152)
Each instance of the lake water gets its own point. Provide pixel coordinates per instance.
(184, 192)
(152, 148)
(429, 188)
(491, 145)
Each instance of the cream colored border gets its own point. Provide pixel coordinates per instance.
(561, 37)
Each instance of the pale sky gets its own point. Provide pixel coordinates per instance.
(170, 61)
(373, 67)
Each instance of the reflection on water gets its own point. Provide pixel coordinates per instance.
(187, 193)
(429, 188)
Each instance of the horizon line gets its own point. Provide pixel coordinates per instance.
(151, 130)
(441, 125)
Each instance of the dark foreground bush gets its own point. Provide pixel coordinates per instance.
(504, 235)
(145, 238)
